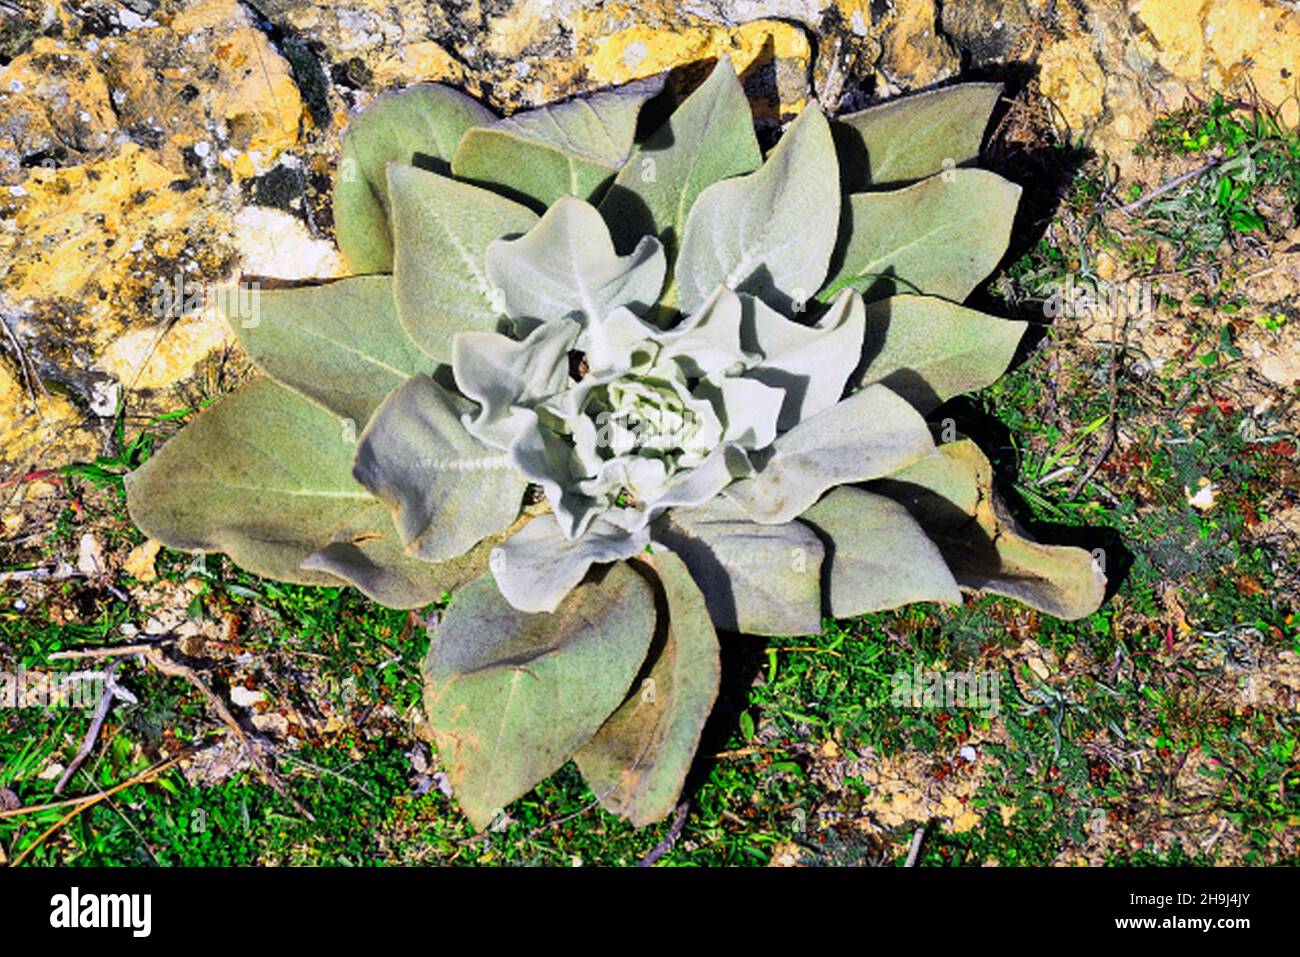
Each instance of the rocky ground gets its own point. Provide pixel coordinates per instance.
(155, 144)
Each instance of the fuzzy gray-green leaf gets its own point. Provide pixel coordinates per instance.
(770, 233)
(708, 138)
(537, 566)
(757, 579)
(985, 548)
(511, 696)
(637, 763)
(446, 489)
(940, 236)
(811, 363)
(929, 350)
(441, 230)
(566, 266)
(870, 434)
(421, 126)
(877, 556)
(338, 343)
(913, 137)
(371, 559)
(264, 475)
(572, 148)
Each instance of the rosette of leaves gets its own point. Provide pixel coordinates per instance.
(617, 390)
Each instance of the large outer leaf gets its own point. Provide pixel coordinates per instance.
(566, 266)
(572, 148)
(446, 489)
(638, 760)
(709, 137)
(770, 233)
(940, 236)
(757, 579)
(338, 343)
(441, 230)
(812, 364)
(929, 350)
(510, 696)
(877, 556)
(870, 434)
(264, 476)
(911, 137)
(421, 126)
(952, 497)
(376, 564)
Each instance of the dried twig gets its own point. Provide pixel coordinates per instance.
(176, 670)
(674, 832)
(109, 651)
(1129, 209)
(46, 573)
(914, 851)
(153, 654)
(112, 692)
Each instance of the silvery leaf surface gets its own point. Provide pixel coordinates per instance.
(441, 232)
(811, 364)
(446, 490)
(760, 579)
(769, 233)
(538, 566)
(870, 434)
(566, 267)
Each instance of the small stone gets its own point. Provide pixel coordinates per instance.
(90, 556)
(139, 562)
(1206, 495)
(246, 698)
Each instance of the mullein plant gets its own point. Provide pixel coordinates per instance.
(616, 394)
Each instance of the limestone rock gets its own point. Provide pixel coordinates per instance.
(54, 110)
(1217, 45)
(1073, 80)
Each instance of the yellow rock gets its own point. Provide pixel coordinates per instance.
(527, 23)
(76, 226)
(159, 355)
(1217, 45)
(857, 14)
(207, 15)
(1262, 40)
(1072, 79)
(139, 563)
(617, 46)
(274, 244)
(54, 100)
(1177, 33)
(418, 63)
(30, 428)
(915, 55)
(259, 102)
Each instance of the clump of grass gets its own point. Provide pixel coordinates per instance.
(1250, 184)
